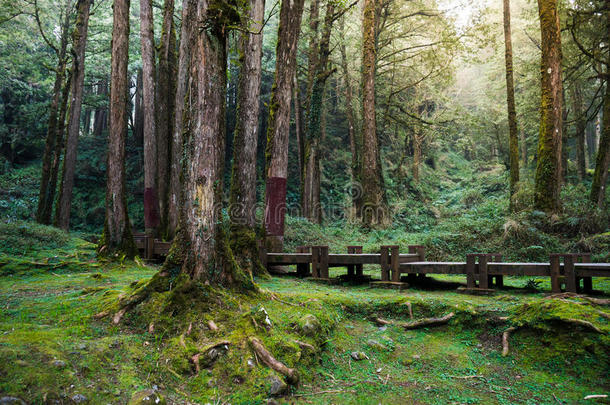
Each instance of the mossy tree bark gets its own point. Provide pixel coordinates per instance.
(513, 137)
(79, 38)
(151, 195)
(354, 139)
(312, 208)
(242, 197)
(117, 238)
(548, 167)
(47, 193)
(276, 153)
(374, 206)
(182, 82)
(165, 99)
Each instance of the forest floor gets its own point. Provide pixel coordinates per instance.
(53, 350)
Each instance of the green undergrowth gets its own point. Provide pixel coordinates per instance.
(53, 349)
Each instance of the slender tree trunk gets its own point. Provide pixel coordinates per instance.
(165, 96)
(182, 82)
(78, 77)
(548, 167)
(151, 195)
(87, 122)
(100, 119)
(602, 162)
(581, 127)
(373, 190)
(417, 144)
(243, 177)
(117, 238)
(47, 194)
(300, 133)
(354, 141)
(138, 124)
(513, 140)
(312, 52)
(311, 190)
(564, 139)
(279, 123)
(523, 144)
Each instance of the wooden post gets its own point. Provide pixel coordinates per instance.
(350, 267)
(262, 252)
(315, 261)
(323, 255)
(358, 250)
(394, 263)
(421, 251)
(499, 279)
(587, 282)
(555, 283)
(483, 278)
(150, 246)
(570, 274)
(471, 281)
(385, 263)
(303, 268)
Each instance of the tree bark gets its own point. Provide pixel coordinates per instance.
(138, 125)
(100, 119)
(417, 146)
(354, 140)
(243, 179)
(523, 148)
(182, 82)
(47, 193)
(165, 96)
(311, 179)
(151, 194)
(300, 132)
(581, 128)
(513, 140)
(117, 238)
(548, 166)
(279, 123)
(78, 77)
(374, 210)
(602, 162)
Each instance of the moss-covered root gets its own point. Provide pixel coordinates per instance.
(292, 375)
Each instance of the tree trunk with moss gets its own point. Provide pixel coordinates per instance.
(182, 82)
(602, 162)
(548, 167)
(79, 38)
(47, 193)
(354, 139)
(374, 207)
(581, 129)
(513, 137)
(165, 98)
(243, 177)
(151, 192)
(276, 152)
(311, 177)
(117, 238)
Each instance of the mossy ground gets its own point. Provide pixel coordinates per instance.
(51, 347)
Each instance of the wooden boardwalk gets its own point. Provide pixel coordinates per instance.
(482, 270)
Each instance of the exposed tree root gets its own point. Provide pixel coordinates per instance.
(505, 336)
(292, 376)
(382, 322)
(304, 345)
(597, 301)
(206, 357)
(212, 326)
(408, 304)
(586, 324)
(428, 322)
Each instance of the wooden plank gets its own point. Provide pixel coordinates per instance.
(570, 274)
(518, 269)
(408, 257)
(323, 256)
(483, 276)
(289, 258)
(395, 263)
(433, 268)
(471, 281)
(161, 248)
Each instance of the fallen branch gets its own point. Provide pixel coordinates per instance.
(382, 322)
(428, 322)
(467, 377)
(292, 376)
(596, 396)
(304, 345)
(505, 337)
(323, 392)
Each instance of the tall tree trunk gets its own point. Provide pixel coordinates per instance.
(523, 144)
(78, 77)
(513, 140)
(354, 141)
(100, 118)
(564, 139)
(243, 177)
(300, 132)
(138, 124)
(117, 238)
(373, 191)
(581, 128)
(182, 82)
(208, 257)
(165, 96)
(47, 193)
(151, 196)
(602, 162)
(311, 190)
(417, 144)
(548, 166)
(279, 123)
